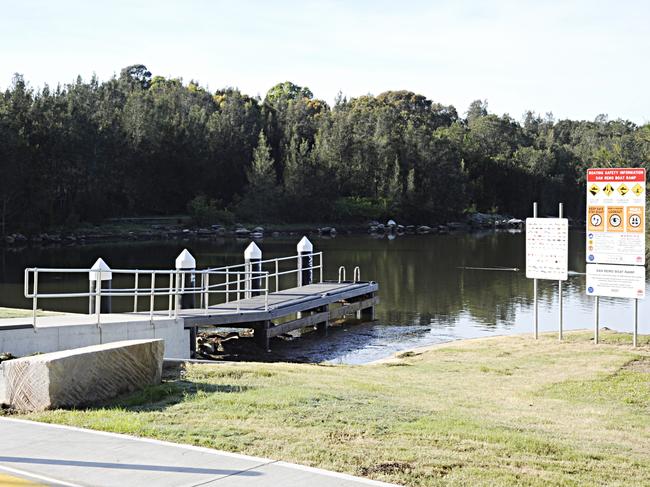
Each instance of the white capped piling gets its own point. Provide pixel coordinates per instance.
(305, 262)
(253, 266)
(100, 279)
(185, 279)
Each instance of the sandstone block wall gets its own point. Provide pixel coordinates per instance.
(82, 376)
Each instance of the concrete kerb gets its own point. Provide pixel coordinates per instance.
(259, 460)
(36, 477)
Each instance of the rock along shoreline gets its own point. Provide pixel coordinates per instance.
(146, 230)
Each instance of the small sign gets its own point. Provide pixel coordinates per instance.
(616, 216)
(547, 248)
(616, 281)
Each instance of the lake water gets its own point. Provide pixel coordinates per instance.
(428, 294)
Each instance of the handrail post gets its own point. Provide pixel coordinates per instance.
(206, 300)
(202, 293)
(98, 296)
(135, 293)
(277, 275)
(151, 299)
(26, 283)
(35, 298)
(320, 261)
(266, 293)
(238, 287)
(227, 286)
(177, 296)
(171, 293)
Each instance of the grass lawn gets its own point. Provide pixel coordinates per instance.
(21, 313)
(489, 412)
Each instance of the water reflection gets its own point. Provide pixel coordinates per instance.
(428, 294)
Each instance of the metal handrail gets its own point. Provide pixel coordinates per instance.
(176, 287)
(341, 273)
(356, 276)
(276, 272)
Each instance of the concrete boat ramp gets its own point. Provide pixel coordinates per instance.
(44, 454)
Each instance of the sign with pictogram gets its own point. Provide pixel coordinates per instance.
(596, 219)
(615, 219)
(616, 216)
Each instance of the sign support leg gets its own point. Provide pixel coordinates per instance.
(559, 290)
(559, 287)
(596, 310)
(535, 303)
(535, 308)
(636, 323)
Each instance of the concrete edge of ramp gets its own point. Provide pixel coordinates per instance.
(317, 472)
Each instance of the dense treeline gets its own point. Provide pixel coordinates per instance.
(139, 144)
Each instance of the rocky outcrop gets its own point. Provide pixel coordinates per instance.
(82, 376)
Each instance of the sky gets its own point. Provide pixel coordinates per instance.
(574, 58)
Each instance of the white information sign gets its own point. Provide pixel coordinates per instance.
(616, 216)
(547, 248)
(616, 281)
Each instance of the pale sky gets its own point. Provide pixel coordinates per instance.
(576, 59)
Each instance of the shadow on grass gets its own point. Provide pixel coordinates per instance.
(162, 396)
(174, 389)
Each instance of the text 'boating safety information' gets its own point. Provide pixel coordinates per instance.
(616, 281)
(616, 216)
(547, 248)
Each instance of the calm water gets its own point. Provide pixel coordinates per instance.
(426, 294)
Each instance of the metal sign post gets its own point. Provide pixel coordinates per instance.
(596, 310)
(535, 304)
(636, 322)
(559, 284)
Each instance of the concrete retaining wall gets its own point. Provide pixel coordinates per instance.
(66, 336)
(82, 376)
